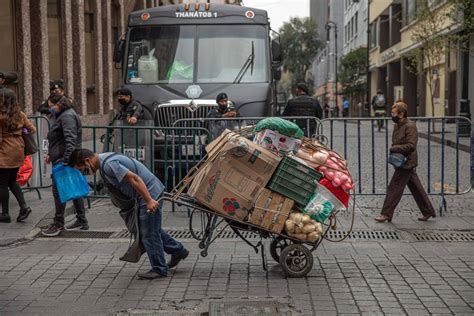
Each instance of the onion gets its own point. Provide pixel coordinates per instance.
(313, 236)
(290, 226)
(305, 219)
(336, 182)
(309, 228)
(330, 175)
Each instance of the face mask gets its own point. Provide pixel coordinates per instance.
(123, 101)
(395, 119)
(87, 171)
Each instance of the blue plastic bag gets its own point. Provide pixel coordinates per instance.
(70, 182)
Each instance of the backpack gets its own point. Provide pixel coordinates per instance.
(380, 101)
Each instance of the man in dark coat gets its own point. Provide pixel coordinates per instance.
(304, 105)
(130, 110)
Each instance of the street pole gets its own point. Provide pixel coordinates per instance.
(329, 24)
(368, 60)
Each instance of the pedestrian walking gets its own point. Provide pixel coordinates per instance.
(379, 106)
(345, 107)
(304, 105)
(404, 141)
(128, 179)
(64, 136)
(12, 123)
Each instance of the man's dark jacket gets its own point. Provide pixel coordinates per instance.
(404, 141)
(304, 105)
(134, 108)
(64, 136)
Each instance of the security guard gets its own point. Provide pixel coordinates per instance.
(130, 110)
(55, 87)
(304, 105)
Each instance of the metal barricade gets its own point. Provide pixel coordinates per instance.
(40, 178)
(442, 153)
(169, 152)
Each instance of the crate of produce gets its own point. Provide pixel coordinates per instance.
(295, 180)
(271, 211)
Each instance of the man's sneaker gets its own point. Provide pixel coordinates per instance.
(177, 257)
(5, 218)
(52, 230)
(77, 224)
(24, 213)
(150, 275)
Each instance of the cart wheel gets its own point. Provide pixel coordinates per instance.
(204, 253)
(276, 247)
(198, 223)
(202, 245)
(296, 260)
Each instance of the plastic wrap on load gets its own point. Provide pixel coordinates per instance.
(322, 204)
(280, 125)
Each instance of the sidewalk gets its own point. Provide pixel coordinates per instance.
(52, 276)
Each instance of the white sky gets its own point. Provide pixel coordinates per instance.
(280, 11)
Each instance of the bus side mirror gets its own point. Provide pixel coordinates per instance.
(119, 51)
(277, 56)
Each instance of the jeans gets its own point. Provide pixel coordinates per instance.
(61, 207)
(155, 239)
(8, 181)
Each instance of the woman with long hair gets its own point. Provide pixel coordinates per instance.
(12, 122)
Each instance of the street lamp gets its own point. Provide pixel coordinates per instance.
(329, 25)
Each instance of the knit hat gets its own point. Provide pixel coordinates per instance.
(221, 96)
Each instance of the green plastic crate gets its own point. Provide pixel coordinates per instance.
(295, 180)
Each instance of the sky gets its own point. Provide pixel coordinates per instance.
(280, 11)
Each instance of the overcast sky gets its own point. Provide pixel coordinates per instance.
(280, 11)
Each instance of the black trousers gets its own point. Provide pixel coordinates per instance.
(61, 207)
(400, 179)
(8, 182)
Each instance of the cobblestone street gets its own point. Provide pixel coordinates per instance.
(61, 276)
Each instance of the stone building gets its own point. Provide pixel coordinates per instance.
(71, 40)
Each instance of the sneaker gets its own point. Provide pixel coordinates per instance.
(52, 230)
(24, 213)
(150, 275)
(77, 224)
(5, 218)
(177, 257)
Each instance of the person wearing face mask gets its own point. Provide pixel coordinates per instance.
(404, 141)
(129, 180)
(55, 87)
(225, 109)
(130, 110)
(64, 136)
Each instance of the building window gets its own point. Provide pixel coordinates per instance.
(411, 10)
(373, 34)
(356, 22)
(54, 39)
(88, 17)
(53, 9)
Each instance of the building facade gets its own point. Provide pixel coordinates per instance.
(391, 26)
(73, 40)
(355, 25)
(323, 70)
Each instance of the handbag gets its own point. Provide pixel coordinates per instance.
(25, 172)
(30, 143)
(397, 160)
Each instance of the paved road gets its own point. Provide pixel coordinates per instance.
(362, 276)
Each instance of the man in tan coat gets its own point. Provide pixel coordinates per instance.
(404, 141)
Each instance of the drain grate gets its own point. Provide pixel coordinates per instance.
(443, 236)
(364, 235)
(186, 234)
(247, 308)
(83, 234)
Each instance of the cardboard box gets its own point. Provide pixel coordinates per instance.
(230, 183)
(277, 143)
(271, 211)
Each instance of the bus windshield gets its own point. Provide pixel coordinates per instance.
(197, 54)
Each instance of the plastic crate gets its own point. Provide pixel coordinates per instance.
(295, 180)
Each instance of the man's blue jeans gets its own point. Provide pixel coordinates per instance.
(155, 240)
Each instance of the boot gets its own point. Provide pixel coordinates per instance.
(5, 218)
(24, 213)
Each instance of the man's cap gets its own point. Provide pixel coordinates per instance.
(56, 84)
(221, 96)
(302, 86)
(379, 91)
(124, 91)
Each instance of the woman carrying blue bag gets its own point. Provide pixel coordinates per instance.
(64, 137)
